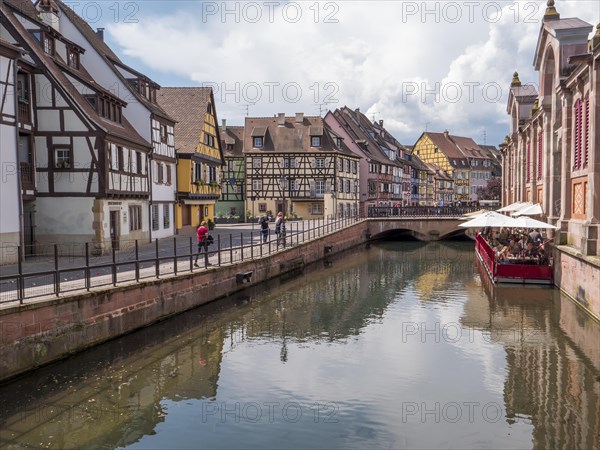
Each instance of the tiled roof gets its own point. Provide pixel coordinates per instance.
(232, 136)
(292, 137)
(187, 105)
(110, 57)
(123, 130)
(445, 145)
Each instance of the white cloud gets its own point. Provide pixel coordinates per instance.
(373, 57)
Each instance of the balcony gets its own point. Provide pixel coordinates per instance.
(24, 111)
(27, 177)
(206, 190)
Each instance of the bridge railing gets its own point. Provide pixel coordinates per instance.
(421, 211)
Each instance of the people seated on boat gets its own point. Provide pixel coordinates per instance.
(523, 241)
(542, 255)
(514, 249)
(503, 236)
(531, 251)
(535, 235)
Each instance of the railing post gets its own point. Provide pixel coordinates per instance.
(260, 242)
(252, 245)
(242, 244)
(157, 261)
(191, 255)
(219, 249)
(137, 261)
(88, 282)
(56, 273)
(114, 266)
(230, 248)
(20, 280)
(174, 255)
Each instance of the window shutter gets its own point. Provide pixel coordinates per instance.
(578, 128)
(586, 142)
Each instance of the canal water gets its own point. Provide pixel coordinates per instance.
(397, 345)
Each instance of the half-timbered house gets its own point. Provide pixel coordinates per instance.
(380, 175)
(90, 179)
(11, 218)
(299, 166)
(199, 153)
(233, 186)
(143, 110)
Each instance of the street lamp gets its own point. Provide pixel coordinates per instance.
(253, 197)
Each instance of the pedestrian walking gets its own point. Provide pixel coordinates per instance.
(264, 227)
(202, 234)
(280, 229)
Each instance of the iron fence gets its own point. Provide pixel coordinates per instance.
(421, 211)
(51, 273)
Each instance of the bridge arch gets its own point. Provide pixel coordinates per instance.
(419, 228)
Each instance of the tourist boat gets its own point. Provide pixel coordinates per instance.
(511, 272)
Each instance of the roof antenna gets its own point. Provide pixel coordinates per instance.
(484, 136)
(247, 107)
(322, 107)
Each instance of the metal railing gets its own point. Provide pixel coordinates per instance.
(421, 211)
(51, 272)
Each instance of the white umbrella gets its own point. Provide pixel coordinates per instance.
(531, 210)
(513, 207)
(472, 215)
(489, 219)
(528, 222)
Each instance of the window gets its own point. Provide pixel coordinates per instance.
(289, 163)
(48, 45)
(120, 159)
(256, 185)
(166, 216)
(163, 134)
(338, 141)
(435, 150)
(340, 185)
(341, 165)
(315, 141)
(155, 225)
(348, 165)
(168, 170)
(316, 208)
(320, 188)
(159, 176)
(354, 166)
(62, 158)
(256, 163)
(347, 185)
(320, 163)
(230, 165)
(262, 207)
(258, 142)
(138, 157)
(72, 58)
(135, 218)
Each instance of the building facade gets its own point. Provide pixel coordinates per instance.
(199, 153)
(552, 153)
(231, 205)
(299, 166)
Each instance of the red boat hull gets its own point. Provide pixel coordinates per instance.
(511, 273)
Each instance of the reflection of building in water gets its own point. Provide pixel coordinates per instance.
(550, 379)
(120, 401)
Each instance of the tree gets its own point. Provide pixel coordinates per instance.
(492, 191)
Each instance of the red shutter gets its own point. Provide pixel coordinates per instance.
(577, 142)
(586, 141)
(540, 154)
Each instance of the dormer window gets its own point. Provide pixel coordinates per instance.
(315, 141)
(72, 58)
(48, 44)
(258, 141)
(107, 108)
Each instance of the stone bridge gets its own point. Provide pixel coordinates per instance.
(421, 228)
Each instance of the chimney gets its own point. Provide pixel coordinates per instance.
(100, 33)
(224, 126)
(299, 117)
(281, 119)
(357, 110)
(381, 123)
(446, 134)
(48, 12)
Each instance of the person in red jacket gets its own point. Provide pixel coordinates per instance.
(202, 233)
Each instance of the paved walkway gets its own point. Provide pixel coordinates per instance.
(237, 242)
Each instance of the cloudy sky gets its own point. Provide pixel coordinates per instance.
(414, 64)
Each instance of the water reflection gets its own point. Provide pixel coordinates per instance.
(400, 345)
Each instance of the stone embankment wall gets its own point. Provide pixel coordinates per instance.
(44, 331)
(578, 277)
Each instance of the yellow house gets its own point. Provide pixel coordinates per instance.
(199, 153)
(444, 151)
